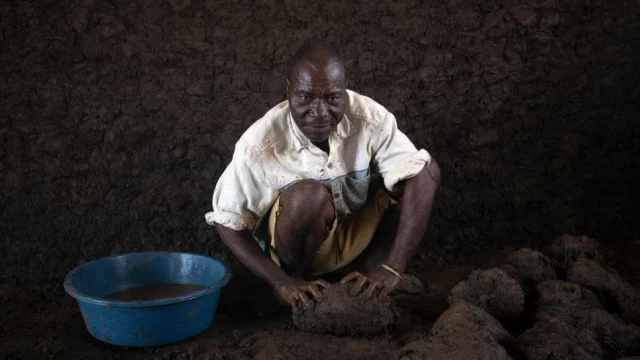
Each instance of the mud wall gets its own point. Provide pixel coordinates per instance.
(117, 116)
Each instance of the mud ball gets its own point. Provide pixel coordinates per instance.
(494, 291)
(472, 346)
(530, 266)
(341, 313)
(558, 292)
(615, 336)
(609, 285)
(567, 249)
(556, 340)
(463, 318)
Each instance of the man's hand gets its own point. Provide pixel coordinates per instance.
(379, 279)
(294, 292)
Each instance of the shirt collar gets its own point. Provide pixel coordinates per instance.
(299, 141)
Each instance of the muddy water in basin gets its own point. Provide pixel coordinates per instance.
(153, 292)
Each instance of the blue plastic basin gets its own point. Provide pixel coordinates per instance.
(149, 322)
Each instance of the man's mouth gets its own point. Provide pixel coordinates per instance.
(319, 127)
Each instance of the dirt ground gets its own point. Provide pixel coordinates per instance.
(118, 116)
(44, 323)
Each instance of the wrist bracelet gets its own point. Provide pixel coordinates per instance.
(391, 270)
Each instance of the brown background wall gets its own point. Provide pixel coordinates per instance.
(118, 116)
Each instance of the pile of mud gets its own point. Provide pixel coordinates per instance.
(344, 313)
(341, 313)
(560, 303)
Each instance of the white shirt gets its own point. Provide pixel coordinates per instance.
(273, 154)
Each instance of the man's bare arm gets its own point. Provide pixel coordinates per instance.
(416, 205)
(246, 249)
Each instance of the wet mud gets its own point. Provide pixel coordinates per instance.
(530, 267)
(618, 294)
(493, 290)
(154, 292)
(464, 318)
(341, 313)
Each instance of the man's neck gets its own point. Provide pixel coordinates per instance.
(324, 145)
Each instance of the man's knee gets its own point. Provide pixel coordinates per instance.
(305, 210)
(307, 198)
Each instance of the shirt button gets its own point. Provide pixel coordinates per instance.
(330, 165)
(335, 196)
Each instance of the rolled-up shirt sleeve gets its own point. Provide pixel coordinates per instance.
(242, 194)
(395, 156)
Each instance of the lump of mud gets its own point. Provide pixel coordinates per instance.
(564, 293)
(493, 290)
(567, 249)
(341, 313)
(472, 346)
(530, 266)
(554, 339)
(609, 286)
(615, 336)
(463, 318)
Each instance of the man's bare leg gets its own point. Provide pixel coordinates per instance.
(377, 252)
(305, 213)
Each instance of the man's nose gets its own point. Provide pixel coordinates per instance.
(319, 108)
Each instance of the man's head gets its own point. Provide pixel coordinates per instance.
(316, 90)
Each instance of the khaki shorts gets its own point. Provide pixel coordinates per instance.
(346, 240)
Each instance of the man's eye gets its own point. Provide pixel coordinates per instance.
(334, 98)
(304, 98)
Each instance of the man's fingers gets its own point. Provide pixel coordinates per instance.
(347, 278)
(293, 301)
(357, 288)
(321, 283)
(303, 297)
(373, 286)
(317, 294)
(353, 275)
(388, 288)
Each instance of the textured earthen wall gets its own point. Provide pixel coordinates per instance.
(117, 116)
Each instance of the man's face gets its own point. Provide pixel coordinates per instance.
(317, 98)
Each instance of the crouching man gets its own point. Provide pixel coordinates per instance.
(310, 181)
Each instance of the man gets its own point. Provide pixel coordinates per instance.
(310, 181)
